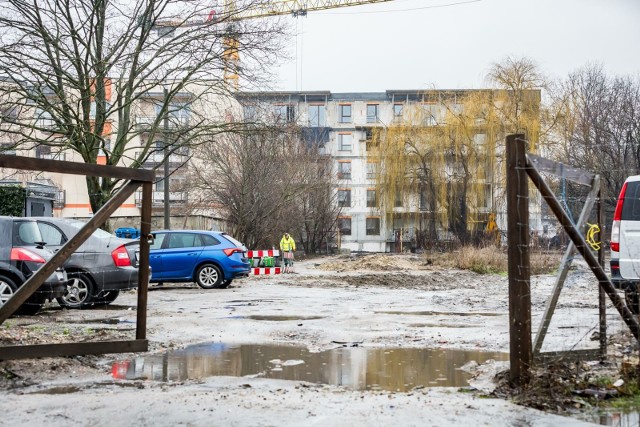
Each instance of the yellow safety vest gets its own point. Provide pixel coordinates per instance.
(287, 245)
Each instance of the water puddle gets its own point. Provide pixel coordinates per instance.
(440, 313)
(358, 368)
(279, 318)
(105, 321)
(614, 418)
(440, 325)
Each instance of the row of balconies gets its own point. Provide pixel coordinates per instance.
(157, 197)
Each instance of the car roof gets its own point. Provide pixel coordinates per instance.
(633, 178)
(190, 231)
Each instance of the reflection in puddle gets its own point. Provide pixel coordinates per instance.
(106, 321)
(441, 325)
(439, 313)
(391, 369)
(614, 418)
(280, 318)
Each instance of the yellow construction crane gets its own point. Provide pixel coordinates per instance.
(259, 10)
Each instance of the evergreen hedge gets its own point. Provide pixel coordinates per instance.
(12, 200)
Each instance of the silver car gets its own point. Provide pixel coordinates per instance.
(100, 268)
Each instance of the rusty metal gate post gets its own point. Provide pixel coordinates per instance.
(520, 348)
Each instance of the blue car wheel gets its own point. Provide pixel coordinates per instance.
(209, 276)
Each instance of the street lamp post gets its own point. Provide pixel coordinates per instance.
(167, 202)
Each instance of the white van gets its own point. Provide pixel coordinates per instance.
(625, 242)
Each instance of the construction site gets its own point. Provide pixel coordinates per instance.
(452, 257)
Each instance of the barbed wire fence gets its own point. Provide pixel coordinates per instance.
(574, 325)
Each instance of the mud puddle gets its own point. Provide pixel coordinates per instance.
(614, 418)
(358, 368)
(278, 318)
(440, 313)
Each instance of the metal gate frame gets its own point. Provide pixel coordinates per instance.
(520, 168)
(134, 178)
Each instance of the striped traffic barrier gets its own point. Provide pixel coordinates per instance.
(261, 254)
(266, 270)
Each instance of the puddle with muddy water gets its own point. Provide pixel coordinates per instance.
(359, 368)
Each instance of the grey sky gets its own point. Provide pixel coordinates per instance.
(412, 44)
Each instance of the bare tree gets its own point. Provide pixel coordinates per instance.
(600, 126)
(267, 182)
(76, 73)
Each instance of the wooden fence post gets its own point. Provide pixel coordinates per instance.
(520, 348)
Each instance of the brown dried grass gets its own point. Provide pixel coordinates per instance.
(492, 260)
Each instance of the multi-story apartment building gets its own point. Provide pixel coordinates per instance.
(350, 126)
(66, 195)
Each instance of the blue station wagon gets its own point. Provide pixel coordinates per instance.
(212, 259)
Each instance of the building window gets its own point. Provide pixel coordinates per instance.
(372, 200)
(345, 141)
(285, 113)
(431, 114)
(398, 198)
(178, 114)
(372, 170)
(43, 152)
(397, 110)
(372, 144)
(344, 113)
(44, 119)
(250, 113)
(317, 116)
(7, 149)
(373, 226)
(344, 225)
(344, 170)
(372, 113)
(344, 198)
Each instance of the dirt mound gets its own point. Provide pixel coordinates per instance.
(375, 262)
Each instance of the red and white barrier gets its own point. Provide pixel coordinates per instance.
(261, 254)
(266, 270)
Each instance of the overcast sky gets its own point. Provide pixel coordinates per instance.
(450, 44)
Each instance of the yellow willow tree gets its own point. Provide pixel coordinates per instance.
(440, 169)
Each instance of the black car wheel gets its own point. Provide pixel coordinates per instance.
(79, 292)
(7, 289)
(107, 298)
(209, 276)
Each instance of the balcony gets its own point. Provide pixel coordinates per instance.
(145, 123)
(176, 159)
(51, 156)
(157, 198)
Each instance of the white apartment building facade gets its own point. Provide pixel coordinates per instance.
(343, 124)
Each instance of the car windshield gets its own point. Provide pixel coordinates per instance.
(98, 233)
(232, 240)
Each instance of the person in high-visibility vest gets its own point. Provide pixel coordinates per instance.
(287, 246)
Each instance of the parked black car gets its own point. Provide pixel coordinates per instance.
(22, 252)
(100, 268)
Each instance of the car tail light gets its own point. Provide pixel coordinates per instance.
(231, 251)
(22, 254)
(121, 257)
(617, 217)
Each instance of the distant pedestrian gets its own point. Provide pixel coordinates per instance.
(287, 246)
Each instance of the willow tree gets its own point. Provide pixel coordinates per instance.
(441, 162)
(73, 74)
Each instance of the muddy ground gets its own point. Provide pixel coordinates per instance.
(359, 304)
